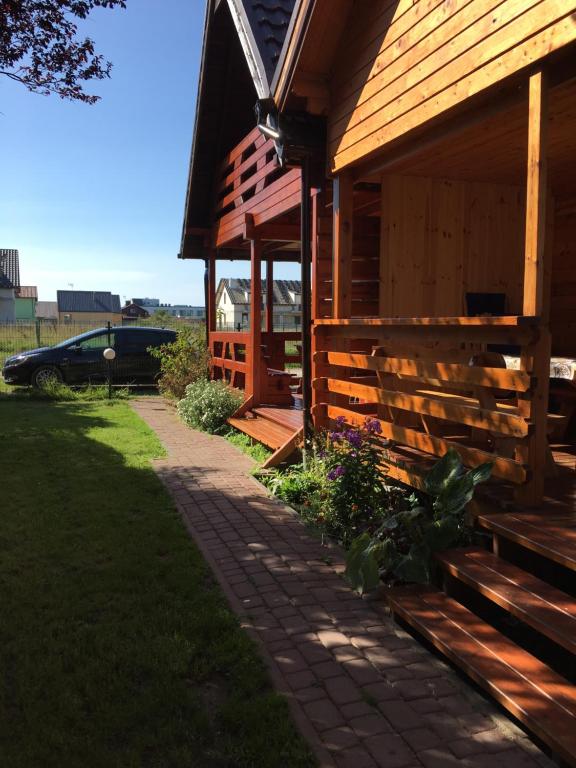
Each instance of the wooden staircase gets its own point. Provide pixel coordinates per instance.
(276, 427)
(507, 618)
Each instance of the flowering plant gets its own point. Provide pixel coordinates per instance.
(355, 492)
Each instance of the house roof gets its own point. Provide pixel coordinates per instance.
(4, 282)
(262, 26)
(237, 288)
(47, 310)
(241, 45)
(27, 292)
(88, 301)
(10, 265)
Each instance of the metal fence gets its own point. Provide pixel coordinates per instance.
(279, 326)
(24, 335)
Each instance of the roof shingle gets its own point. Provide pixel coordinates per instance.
(88, 301)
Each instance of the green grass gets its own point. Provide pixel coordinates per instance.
(245, 444)
(117, 649)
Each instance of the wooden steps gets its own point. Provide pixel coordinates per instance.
(265, 431)
(551, 536)
(277, 428)
(540, 698)
(516, 672)
(528, 598)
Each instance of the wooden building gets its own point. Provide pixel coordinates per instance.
(443, 279)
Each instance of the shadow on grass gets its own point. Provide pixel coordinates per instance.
(116, 647)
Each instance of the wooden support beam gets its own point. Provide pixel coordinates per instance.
(342, 248)
(536, 358)
(254, 351)
(269, 295)
(211, 308)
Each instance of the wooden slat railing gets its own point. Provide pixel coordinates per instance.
(252, 182)
(229, 353)
(424, 380)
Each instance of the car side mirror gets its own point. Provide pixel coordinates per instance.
(76, 348)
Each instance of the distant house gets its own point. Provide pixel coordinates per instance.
(88, 306)
(26, 298)
(47, 310)
(7, 301)
(132, 311)
(10, 265)
(233, 303)
(181, 310)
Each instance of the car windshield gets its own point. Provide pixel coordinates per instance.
(78, 339)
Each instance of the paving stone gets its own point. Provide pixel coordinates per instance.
(390, 750)
(355, 758)
(339, 739)
(362, 671)
(400, 715)
(330, 639)
(370, 725)
(323, 714)
(342, 690)
(421, 738)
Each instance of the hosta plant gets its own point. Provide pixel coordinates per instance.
(401, 549)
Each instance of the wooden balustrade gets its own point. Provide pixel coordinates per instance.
(432, 385)
(230, 353)
(252, 182)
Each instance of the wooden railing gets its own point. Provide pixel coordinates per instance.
(230, 353)
(252, 182)
(274, 346)
(432, 385)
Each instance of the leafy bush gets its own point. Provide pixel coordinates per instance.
(207, 405)
(401, 549)
(182, 362)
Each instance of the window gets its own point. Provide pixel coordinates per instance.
(99, 342)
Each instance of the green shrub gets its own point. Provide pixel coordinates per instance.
(402, 548)
(182, 362)
(207, 405)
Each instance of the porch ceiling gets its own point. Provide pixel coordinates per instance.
(494, 150)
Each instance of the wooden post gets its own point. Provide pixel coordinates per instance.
(269, 295)
(254, 353)
(342, 248)
(537, 267)
(211, 308)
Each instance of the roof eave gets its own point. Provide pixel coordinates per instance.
(250, 48)
(290, 53)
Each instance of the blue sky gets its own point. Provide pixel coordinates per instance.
(94, 195)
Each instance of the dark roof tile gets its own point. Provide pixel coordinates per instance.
(88, 301)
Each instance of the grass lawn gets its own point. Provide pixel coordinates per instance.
(117, 648)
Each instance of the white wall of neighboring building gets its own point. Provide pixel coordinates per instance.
(229, 315)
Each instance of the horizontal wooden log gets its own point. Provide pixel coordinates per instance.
(504, 468)
(499, 378)
(261, 152)
(473, 416)
(482, 321)
(240, 148)
(228, 365)
(414, 334)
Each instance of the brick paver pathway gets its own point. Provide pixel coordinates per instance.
(363, 692)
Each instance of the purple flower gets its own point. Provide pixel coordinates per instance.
(353, 437)
(335, 437)
(340, 420)
(373, 426)
(335, 473)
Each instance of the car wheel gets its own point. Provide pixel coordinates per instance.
(45, 375)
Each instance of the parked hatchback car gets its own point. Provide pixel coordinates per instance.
(80, 359)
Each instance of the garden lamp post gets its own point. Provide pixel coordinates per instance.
(109, 355)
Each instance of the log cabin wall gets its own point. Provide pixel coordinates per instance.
(406, 62)
(441, 239)
(563, 304)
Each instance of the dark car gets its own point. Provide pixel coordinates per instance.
(81, 358)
